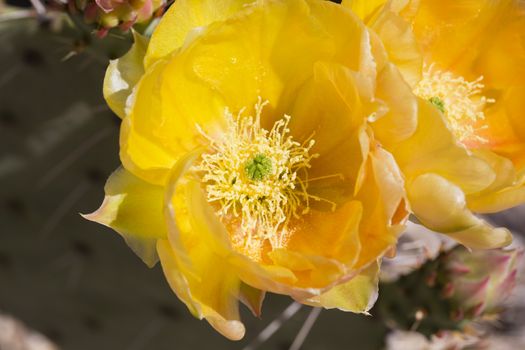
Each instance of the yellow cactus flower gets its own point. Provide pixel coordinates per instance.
(466, 59)
(250, 152)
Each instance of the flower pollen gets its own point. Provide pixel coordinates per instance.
(458, 99)
(255, 177)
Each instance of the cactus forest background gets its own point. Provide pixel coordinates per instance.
(75, 282)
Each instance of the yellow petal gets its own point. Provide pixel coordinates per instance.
(401, 44)
(195, 227)
(330, 234)
(163, 124)
(311, 271)
(292, 260)
(450, 30)
(272, 278)
(503, 168)
(176, 278)
(134, 209)
(365, 9)
(506, 125)
(143, 157)
(240, 62)
(195, 258)
(501, 57)
(390, 184)
(433, 149)
(384, 207)
(400, 121)
(212, 295)
(483, 236)
(515, 104)
(441, 206)
(123, 74)
(330, 103)
(357, 295)
(507, 191)
(232, 65)
(349, 37)
(498, 201)
(208, 273)
(185, 17)
(252, 298)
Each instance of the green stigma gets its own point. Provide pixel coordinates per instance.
(259, 167)
(436, 101)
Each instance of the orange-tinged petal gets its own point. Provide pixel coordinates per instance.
(330, 234)
(450, 30)
(311, 272)
(500, 134)
(503, 128)
(134, 209)
(326, 272)
(290, 259)
(515, 107)
(502, 54)
(273, 278)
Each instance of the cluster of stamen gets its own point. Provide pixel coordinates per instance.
(257, 177)
(460, 101)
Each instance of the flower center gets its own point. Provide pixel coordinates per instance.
(259, 167)
(458, 99)
(255, 178)
(436, 101)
